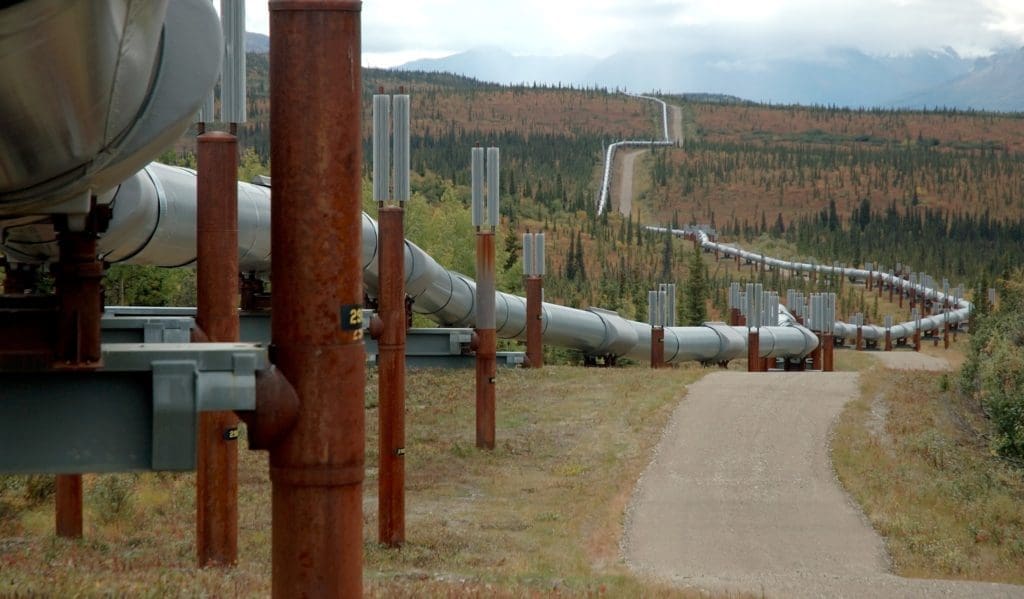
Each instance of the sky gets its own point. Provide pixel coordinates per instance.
(396, 31)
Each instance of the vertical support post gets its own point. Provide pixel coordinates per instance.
(534, 322)
(391, 306)
(217, 316)
(316, 468)
(533, 267)
(657, 347)
(69, 506)
(80, 296)
(754, 361)
(391, 379)
(485, 218)
(486, 351)
(828, 327)
(656, 306)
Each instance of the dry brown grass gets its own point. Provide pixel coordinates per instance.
(912, 456)
(541, 515)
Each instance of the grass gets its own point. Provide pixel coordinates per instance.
(540, 515)
(914, 458)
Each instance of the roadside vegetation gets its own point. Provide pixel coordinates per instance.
(540, 515)
(935, 465)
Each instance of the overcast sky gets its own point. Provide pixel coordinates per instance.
(396, 31)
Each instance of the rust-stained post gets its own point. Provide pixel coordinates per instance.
(69, 505)
(217, 292)
(657, 347)
(534, 322)
(391, 379)
(316, 468)
(827, 353)
(533, 273)
(391, 306)
(486, 350)
(656, 311)
(485, 221)
(78, 275)
(754, 361)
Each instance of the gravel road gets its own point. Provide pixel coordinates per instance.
(626, 181)
(741, 497)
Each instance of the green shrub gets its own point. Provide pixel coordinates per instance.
(993, 374)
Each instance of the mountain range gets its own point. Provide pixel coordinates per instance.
(839, 76)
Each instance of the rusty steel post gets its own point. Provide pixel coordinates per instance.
(80, 296)
(816, 354)
(391, 379)
(827, 353)
(754, 361)
(657, 347)
(317, 467)
(78, 277)
(734, 317)
(217, 292)
(486, 351)
(917, 339)
(945, 336)
(888, 340)
(534, 322)
(860, 338)
(69, 506)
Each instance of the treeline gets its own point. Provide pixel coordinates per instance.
(958, 245)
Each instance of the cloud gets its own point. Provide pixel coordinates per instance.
(766, 28)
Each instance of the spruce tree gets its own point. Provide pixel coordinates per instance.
(695, 308)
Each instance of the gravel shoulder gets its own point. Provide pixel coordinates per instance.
(910, 360)
(741, 497)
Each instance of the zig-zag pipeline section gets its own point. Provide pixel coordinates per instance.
(609, 158)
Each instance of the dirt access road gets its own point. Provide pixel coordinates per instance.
(741, 497)
(625, 170)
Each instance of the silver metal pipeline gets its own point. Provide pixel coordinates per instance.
(609, 157)
(154, 223)
(960, 312)
(94, 90)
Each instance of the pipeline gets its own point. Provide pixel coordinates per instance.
(609, 157)
(961, 306)
(154, 223)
